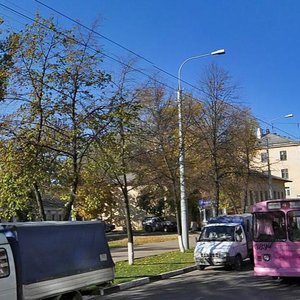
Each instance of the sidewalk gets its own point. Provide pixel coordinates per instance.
(119, 254)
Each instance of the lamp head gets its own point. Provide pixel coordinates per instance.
(289, 116)
(218, 52)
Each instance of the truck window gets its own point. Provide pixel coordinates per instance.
(4, 266)
(239, 234)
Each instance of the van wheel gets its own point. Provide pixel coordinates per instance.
(228, 267)
(238, 263)
(77, 296)
(200, 267)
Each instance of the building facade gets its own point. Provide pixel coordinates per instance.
(258, 188)
(281, 156)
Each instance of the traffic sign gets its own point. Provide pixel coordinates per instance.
(204, 202)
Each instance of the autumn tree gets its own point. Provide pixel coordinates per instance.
(245, 141)
(114, 151)
(8, 43)
(57, 84)
(28, 87)
(222, 128)
(158, 151)
(80, 109)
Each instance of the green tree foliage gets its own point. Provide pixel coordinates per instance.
(56, 82)
(28, 87)
(96, 194)
(151, 201)
(69, 130)
(15, 192)
(114, 152)
(8, 44)
(80, 110)
(157, 147)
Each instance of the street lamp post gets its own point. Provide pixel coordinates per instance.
(183, 202)
(283, 117)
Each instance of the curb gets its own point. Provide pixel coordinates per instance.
(144, 280)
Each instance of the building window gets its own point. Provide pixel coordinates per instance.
(264, 157)
(287, 191)
(266, 195)
(284, 173)
(283, 155)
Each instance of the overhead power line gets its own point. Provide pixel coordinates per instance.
(112, 41)
(89, 47)
(126, 49)
(104, 54)
(117, 60)
(93, 31)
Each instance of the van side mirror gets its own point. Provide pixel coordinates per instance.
(238, 238)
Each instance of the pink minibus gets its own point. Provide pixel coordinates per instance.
(276, 238)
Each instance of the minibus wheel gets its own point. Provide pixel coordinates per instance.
(238, 262)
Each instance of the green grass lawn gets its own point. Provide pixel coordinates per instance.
(153, 265)
(141, 240)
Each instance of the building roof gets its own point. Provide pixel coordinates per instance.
(52, 202)
(276, 140)
(256, 173)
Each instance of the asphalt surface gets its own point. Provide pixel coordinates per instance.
(119, 254)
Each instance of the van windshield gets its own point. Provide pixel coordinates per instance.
(217, 233)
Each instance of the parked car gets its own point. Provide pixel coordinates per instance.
(109, 227)
(151, 224)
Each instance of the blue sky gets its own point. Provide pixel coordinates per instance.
(261, 39)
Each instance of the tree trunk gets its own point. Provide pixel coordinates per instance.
(39, 202)
(128, 223)
(217, 196)
(71, 202)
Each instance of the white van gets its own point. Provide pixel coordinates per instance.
(225, 241)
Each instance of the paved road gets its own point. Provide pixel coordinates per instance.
(212, 284)
(119, 254)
